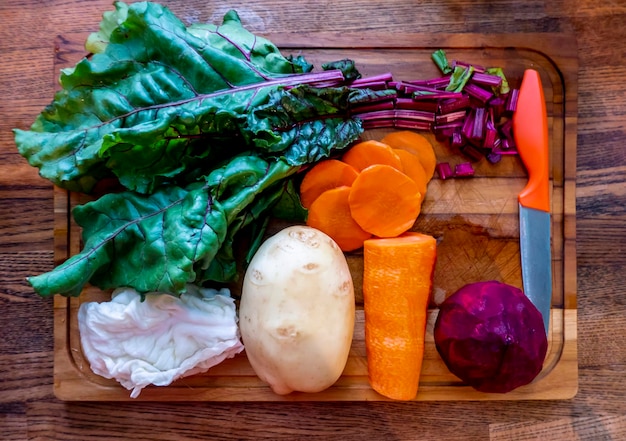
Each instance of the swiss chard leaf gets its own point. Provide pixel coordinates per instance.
(289, 207)
(304, 123)
(204, 125)
(236, 41)
(161, 242)
(224, 266)
(97, 41)
(137, 108)
(347, 67)
(149, 243)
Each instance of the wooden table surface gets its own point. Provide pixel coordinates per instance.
(28, 407)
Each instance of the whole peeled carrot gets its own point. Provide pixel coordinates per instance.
(397, 282)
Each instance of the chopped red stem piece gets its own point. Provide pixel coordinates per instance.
(464, 64)
(486, 79)
(454, 104)
(511, 103)
(411, 104)
(478, 92)
(372, 107)
(436, 83)
(456, 140)
(463, 170)
(472, 117)
(478, 127)
(449, 126)
(444, 170)
(450, 117)
(494, 157)
(411, 124)
(471, 152)
(363, 82)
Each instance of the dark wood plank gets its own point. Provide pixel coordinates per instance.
(29, 411)
(603, 427)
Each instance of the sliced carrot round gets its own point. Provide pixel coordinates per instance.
(412, 167)
(417, 144)
(325, 175)
(330, 213)
(384, 201)
(366, 153)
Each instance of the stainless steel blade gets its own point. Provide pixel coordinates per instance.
(536, 258)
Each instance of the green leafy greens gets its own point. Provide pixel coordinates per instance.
(137, 109)
(202, 125)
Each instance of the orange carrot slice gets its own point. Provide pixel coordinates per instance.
(325, 175)
(330, 213)
(384, 201)
(412, 167)
(397, 282)
(366, 153)
(417, 144)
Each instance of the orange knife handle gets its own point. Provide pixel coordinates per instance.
(530, 127)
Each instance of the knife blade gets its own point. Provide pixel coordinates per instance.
(530, 128)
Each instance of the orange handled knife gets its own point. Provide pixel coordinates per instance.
(530, 129)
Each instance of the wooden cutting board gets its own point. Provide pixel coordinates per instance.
(475, 221)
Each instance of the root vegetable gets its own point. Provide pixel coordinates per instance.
(384, 201)
(325, 175)
(417, 144)
(491, 336)
(366, 153)
(330, 213)
(412, 167)
(397, 282)
(297, 311)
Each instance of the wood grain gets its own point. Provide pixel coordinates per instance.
(28, 408)
(475, 222)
